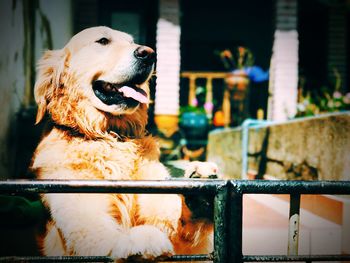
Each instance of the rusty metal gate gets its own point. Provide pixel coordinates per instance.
(228, 208)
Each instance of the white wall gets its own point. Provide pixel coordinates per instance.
(11, 77)
(59, 12)
(12, 64)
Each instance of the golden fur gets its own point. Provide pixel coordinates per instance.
(91, 140)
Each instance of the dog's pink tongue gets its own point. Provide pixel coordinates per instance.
(131, 93)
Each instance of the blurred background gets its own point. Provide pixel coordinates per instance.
(273, 71)
(218, 63)
(228, 60)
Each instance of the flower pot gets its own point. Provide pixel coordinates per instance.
(194, 125)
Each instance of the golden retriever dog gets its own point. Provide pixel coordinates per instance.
(95, 94)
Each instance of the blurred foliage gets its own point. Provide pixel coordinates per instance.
(239, 58)
(323, 100)
(190, 108)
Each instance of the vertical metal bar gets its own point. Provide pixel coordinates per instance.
(236, 225)
(220, 225)
(293, 230)
(245, 142)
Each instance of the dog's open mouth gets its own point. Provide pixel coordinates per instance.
(110, 93)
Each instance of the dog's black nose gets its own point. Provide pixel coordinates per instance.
(146, 54)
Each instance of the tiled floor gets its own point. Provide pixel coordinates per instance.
(265, 228)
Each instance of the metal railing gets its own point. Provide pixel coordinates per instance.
(228, 208)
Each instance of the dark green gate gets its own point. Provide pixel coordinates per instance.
(228, 209)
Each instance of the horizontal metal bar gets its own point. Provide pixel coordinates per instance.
(197, 257)
(279, 258)
(33, 259)
(180, 258)
(104, 186)
(286, 187)
(174, 186)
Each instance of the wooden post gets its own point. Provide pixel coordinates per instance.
(192, 91)
(226, 108)
(209, 95)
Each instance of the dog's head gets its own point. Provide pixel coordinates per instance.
(98, 81)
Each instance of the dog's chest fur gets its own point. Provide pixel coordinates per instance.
(85, 159)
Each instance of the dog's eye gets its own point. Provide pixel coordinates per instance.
(103, 41)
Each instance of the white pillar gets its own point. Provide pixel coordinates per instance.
(283, 86)
(168, 59)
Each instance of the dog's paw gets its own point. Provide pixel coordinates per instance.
(142, 243)
(203, 170)
(148, 242)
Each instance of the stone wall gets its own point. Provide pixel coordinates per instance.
(307, 148)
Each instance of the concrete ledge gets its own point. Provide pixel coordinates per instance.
(301, 149)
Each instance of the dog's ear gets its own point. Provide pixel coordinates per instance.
(50, 77)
